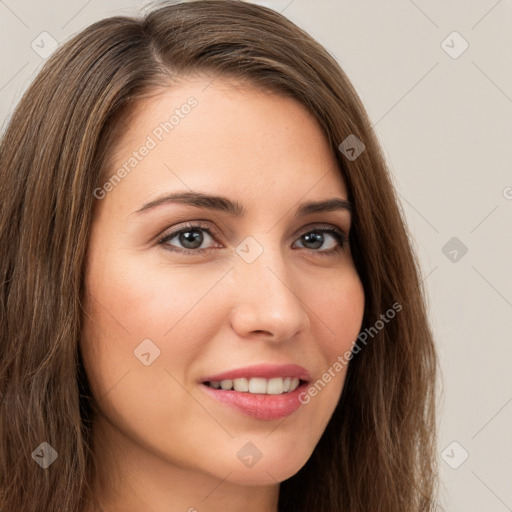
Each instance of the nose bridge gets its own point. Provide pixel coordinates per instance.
(265, 295)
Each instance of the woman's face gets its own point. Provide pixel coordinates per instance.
(264, 287)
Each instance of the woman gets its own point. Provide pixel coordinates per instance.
(209, 297)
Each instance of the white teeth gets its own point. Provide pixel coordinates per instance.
(275, 386)
(241, 384)
(258, 385)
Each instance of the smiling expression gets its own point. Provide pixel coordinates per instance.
(205, 259)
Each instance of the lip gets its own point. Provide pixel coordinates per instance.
(266, 371)
(258, 405)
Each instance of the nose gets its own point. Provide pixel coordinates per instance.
(266, 302)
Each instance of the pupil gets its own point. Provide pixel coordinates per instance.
(187, 239)
(317, 239)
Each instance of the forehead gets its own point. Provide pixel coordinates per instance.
(223, 136)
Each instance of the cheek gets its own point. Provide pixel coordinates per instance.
(144, 318)
(339, 308)
(141, 338)
(336, 313)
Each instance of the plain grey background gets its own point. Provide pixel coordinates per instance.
(436, 79)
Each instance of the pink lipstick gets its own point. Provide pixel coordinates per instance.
(266, 392)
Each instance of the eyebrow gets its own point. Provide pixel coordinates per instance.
(235, 208)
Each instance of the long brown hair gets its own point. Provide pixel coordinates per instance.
(377, 452)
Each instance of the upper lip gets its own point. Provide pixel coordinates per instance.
(266, 371)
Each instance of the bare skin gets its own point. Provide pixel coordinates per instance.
(162, 443)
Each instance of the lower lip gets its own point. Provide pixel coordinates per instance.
(260, 406)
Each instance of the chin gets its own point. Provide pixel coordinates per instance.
(253, 466)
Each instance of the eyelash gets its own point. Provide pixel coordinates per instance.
(336, 233)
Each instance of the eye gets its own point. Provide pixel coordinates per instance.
(316, 238)
(192, 236)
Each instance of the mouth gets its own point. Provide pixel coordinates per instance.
(258, 398)
(261, 391)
